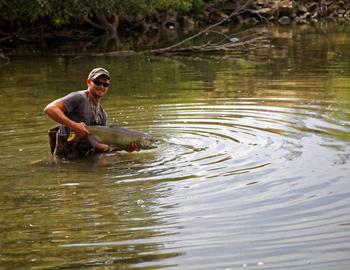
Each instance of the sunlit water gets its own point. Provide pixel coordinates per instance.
(251, 170)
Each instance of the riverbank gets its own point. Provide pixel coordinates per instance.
(293, 12)
(161, 27)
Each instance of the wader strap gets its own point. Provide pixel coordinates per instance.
(52, 138)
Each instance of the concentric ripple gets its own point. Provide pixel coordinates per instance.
(208, 141)
(261, 177)
(251, 170)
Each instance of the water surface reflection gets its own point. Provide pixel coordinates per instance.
(251, 170)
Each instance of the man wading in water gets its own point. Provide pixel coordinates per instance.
(74, 112)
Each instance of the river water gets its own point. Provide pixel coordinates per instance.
(251, 170)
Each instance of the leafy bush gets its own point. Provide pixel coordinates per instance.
(60, 12)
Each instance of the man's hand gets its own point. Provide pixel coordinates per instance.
(101, 147)
(133, 147)
(56, 111)
(80, 129)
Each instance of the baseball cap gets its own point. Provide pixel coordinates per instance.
(96, 72)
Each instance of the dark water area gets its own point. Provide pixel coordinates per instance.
(251, 169)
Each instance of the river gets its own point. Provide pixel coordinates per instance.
(251, 170)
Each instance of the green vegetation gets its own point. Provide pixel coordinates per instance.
(120, 25)
(103, 14)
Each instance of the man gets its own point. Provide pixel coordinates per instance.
(74, 112)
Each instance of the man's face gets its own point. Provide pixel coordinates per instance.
(99, 86)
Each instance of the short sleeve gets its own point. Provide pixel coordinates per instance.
(72, 101)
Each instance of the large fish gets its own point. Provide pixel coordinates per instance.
(121, 137)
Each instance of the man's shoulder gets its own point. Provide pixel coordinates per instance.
(80, 93)
(77, 95)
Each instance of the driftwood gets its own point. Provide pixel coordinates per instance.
(229, 43)
(248, 40)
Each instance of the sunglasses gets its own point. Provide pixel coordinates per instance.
(98, 83)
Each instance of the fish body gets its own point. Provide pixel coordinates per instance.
(121, 137)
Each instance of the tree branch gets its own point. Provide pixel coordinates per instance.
(246, 39)
(236, 12)
(96, 25)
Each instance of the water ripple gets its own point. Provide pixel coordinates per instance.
(247, 182)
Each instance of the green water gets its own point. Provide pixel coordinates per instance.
(251, 171)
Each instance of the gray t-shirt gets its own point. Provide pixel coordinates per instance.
(79, 109)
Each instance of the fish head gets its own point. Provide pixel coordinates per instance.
(147, 142)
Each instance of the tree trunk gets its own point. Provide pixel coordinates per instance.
(111, 27)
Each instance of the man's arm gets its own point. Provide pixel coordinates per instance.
(56, 109)
(100, 148)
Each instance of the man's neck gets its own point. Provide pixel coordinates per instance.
(94, 99)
